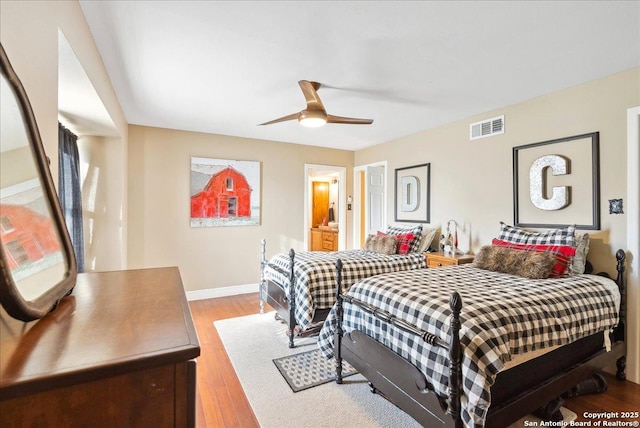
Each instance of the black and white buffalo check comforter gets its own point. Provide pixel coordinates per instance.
(315, 273)
(502, 315)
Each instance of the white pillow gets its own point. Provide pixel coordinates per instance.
(582, 249)
(427, 239)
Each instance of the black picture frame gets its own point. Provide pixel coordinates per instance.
(412, 191)
(584, 198)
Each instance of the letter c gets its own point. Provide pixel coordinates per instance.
(560, 194)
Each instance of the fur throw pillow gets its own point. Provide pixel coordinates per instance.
(383, 244)
(528, 264)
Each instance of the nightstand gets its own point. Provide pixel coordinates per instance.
(435, 260)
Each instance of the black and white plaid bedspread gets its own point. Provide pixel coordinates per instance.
(502, 315)
(315, 273)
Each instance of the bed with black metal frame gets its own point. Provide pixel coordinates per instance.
(311, 274)
(562, 372)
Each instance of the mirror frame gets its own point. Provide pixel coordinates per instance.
(10, 297)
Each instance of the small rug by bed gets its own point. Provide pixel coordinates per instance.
(308, 369)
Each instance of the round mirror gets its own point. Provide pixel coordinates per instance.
(37, 262)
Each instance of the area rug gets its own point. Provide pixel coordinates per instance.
(308, 369)
(253, 342)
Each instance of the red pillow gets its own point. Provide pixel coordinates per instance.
(404, 242)
(564, 254)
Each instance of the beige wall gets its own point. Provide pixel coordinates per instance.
(102, 175)
(159, 230)
(17, 166)
(29, 35)
(471, 181)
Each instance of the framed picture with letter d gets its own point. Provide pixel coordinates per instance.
(412, 193)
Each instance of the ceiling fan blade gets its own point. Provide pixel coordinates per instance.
(315, 110)
(309, 89)
(348, 120)
(282, 119)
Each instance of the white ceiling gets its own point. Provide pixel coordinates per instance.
(223, 67)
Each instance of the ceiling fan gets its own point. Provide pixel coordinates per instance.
(315, 114)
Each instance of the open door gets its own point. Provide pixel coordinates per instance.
(375, 206)
(370, 210)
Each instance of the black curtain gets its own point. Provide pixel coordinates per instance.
(69, 190)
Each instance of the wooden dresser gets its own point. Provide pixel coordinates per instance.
(118, 352)
(441, 259)
(324, 239)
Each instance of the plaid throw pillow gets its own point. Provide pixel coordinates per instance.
(515, 235)
(563, 254)
(416, 231)
(404, 243)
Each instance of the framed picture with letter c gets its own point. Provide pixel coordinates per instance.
(412, 193)
(557, 183)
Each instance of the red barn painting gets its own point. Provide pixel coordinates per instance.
(27, 236)
(221, 195)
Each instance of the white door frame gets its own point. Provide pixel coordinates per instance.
(632, 211)
(357, 209)
(342, 198)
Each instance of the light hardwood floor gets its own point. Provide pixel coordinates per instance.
(221, 402)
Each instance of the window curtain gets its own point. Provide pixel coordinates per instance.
(69, 190)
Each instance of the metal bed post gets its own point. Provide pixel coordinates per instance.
(263, 262)
(455, 369)
(621, 280)
(292, 299)
(339, 332)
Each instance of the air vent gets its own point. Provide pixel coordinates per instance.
(487, 128)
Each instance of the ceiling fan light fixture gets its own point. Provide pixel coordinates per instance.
(312, 119)
(315, 115)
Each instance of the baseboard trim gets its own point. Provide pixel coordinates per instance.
(212, 293)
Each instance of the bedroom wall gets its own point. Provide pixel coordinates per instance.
(102, 174)
(471, 181)
(29, 34)
(215, 257)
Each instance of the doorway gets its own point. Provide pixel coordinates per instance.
(370, 207)
(335, 177)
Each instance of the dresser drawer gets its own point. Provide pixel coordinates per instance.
(329, 236)
(438, 262)
(329, 241)
(327, 245)
(435, 260)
